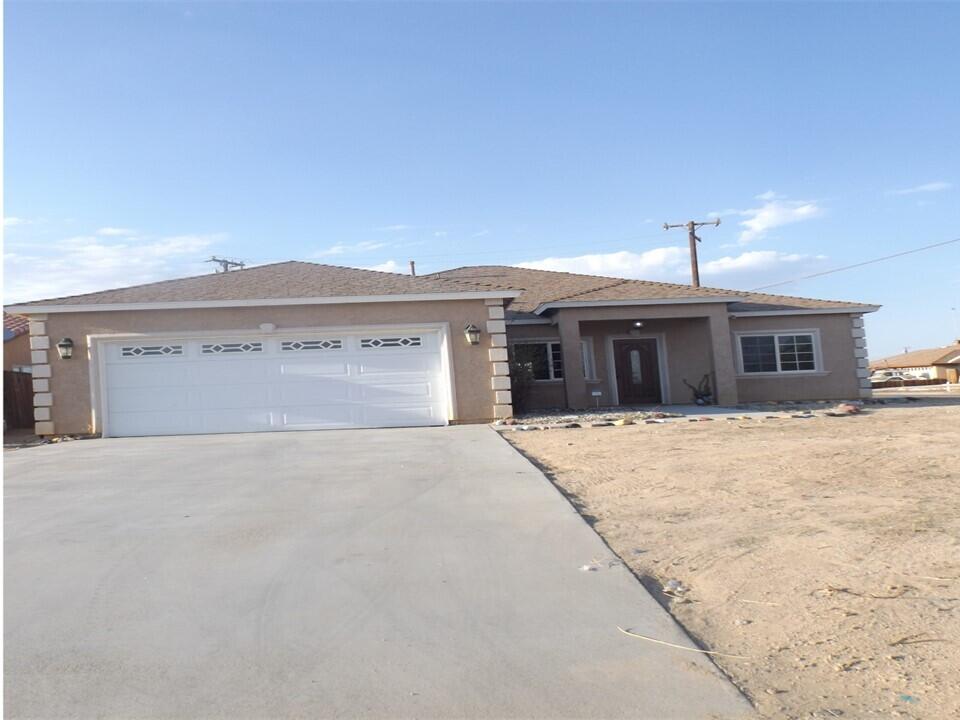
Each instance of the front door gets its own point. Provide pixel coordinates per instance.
(638, 371)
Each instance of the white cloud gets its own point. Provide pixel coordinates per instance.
(482, 233)
(672, 264)
(658, 263)
(390, 266)
(440, 234)
(775, 212)
(116, 232)
(752, 261)
(768, 195)
(344, 249)
(89, 263)
(399, 227)
(925, 188)
(14, 221)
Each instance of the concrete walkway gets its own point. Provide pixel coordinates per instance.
(413, 573)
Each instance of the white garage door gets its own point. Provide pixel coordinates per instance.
(273, 382)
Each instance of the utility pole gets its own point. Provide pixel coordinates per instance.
(226, 264)
(692, 231)
(413, 268)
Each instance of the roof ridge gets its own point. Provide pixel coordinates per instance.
(414, 280)
(162, 282)
(590, 290)
(657, 283)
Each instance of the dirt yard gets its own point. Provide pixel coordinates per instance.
(825, 551)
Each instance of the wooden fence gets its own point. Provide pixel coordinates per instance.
(907, 383)
(17, 399)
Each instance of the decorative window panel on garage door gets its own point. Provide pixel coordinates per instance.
(209, 385)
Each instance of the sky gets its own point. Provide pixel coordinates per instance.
(140, 139)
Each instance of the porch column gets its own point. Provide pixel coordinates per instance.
(724, 367)
(573, 381)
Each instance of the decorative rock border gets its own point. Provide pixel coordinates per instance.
(786, 411)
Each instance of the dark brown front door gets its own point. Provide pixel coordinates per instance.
(638, 371)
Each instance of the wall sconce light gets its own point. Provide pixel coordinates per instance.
(65, 348)
(472, 333)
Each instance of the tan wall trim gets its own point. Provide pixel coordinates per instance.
(42, 371)
(499, 359)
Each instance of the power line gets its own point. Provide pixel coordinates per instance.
(856, 265)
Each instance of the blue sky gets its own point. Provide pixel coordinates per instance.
(141, 138)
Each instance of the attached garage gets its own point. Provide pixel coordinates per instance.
(354, 378)
(289, 346)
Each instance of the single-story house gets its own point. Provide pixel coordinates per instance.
(16, 343)
(299, 345)
(942, 363)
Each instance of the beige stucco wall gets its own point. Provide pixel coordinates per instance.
(70, 379)
(838, 379)
(691, 353)
(16, 351)
(688, 356)
(687, 352)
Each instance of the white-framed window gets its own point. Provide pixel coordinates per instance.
(588, 359)
(781, 352)
(543, 358)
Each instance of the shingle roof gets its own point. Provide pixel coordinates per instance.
(949, 355)
(299, 280)
(14, 325)
(286, 280)
(547, 286)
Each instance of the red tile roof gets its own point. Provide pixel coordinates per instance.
(14, 325)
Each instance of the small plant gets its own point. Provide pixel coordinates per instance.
(521, 381)
(702, 394)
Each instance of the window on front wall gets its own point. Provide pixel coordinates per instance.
(543, 359)
(586, 355)
(778, 353)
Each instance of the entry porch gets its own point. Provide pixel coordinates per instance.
(636, 355)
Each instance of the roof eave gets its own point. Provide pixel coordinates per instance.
(858, 310)
(560, 304)
(29, 309)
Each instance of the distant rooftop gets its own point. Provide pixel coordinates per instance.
(947, 355)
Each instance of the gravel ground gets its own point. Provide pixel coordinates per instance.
(822, 556)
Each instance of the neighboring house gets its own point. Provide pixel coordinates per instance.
(942, 363)
(305, 346)
(16, 343)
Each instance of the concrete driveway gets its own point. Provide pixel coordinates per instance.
(413, 573)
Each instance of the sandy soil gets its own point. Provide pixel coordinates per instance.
(826, 551)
